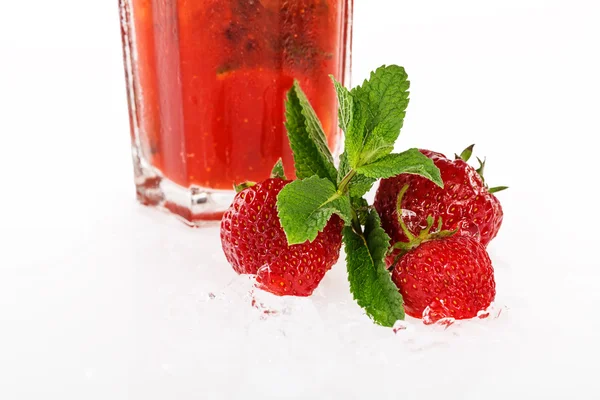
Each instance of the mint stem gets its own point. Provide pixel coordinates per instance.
(343, 187)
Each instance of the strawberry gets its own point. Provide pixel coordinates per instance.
(255, 243)
(465, 200)
(450, 277)
(441, 274)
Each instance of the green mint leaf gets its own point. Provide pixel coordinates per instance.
(378, 115)
(278, 171)
(370, 281)
(305, 206)
(307, 139)
(346, 104)
(360, 184)
(343, 167)
(355, 135)
(378, 146)
(409, 162)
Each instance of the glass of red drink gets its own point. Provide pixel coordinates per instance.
(207, 81)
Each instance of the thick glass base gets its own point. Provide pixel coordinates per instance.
(195, 206)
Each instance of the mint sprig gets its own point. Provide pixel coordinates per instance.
(371, 116)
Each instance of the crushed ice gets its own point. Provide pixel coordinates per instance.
(331, 317)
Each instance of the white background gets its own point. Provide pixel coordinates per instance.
(103, 299)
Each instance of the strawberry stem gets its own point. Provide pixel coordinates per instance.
(424, 236)
(409, 235)
(425, 232)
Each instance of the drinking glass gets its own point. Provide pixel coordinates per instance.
(207, 82)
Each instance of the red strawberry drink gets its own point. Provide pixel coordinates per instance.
(207, 82)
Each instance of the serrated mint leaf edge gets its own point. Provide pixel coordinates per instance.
(380, 122)
(309, 160)
(346, 105)
(315, 131)
(368, 88)
(382, 284)
(411, 161)
(300, 227)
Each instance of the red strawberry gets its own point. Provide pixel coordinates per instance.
(255, 243)
(448, 277)
(465, 200)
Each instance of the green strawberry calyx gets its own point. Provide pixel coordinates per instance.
(425, 235)
(243, 186)
(277, 172)
(466, 156)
